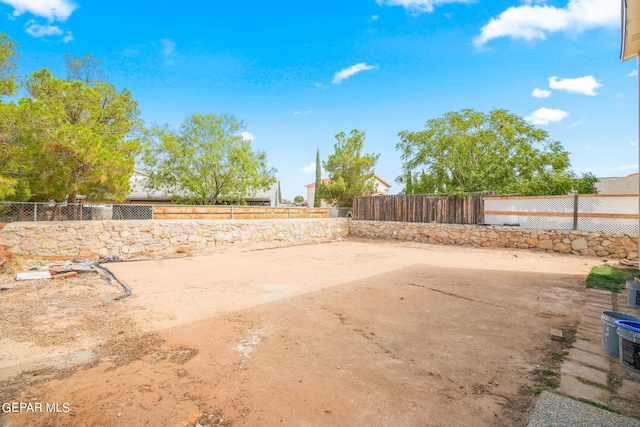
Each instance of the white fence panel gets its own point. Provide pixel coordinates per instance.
(595, 212)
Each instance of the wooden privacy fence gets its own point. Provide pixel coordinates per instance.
(466, 209)
(236, 212)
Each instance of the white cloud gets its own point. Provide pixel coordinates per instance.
(588, 147)
(620, 94)
(626, 167)
(68, 37)
(301, 113)
(535, 21)
(348, 72)
(248, 136)
(308, 170)
(544, 116)
(541, 93)
(574, 124)
(418, 6)
(53, 10)
(585, 85)
(633, 144)
(37, 30)
(374, 18)
(633, 73)
(168, 47)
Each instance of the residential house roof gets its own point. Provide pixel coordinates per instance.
(139, 193)
(313, 184)
(273, 193)
(618, 185)
(328, 180)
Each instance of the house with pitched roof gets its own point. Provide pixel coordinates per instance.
(139, 194)
(618, 185)
(380, 188)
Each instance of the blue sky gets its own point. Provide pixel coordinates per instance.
(299, 72)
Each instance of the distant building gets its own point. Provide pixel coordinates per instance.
(618, 185)
(311, 193)
(380, 188)
(139, 194)
(270, 197)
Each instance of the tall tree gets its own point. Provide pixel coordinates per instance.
(350, 172)
(8, 56)
(317, 200)
(408, 183)
(85, 68)
(79, 138)
(9, 150)
(470, 151)
(205, 161)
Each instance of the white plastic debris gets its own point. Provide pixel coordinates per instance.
(33, 275)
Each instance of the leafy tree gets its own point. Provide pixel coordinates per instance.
(298, 199)
(408, 183)
(85, 68)
(206, 161)
(586, 184)
(350, 172)
(77, 138)
(8, 165)
(470, 151)
(8, 65)
(317, 200)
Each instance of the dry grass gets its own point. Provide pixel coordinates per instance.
(69, 314)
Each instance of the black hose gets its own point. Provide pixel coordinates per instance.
(128, 290)
(122, 283)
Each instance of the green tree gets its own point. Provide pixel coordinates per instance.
(350, 172)
(9, 164)
(298, 199)
(586, 184)
(470, 151)
(85, 68)
(317, 200)
(408, 183)
(206, 161)
(77, 138)
(8, 56)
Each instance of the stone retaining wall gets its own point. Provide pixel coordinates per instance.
(561, 241)
(127, 239)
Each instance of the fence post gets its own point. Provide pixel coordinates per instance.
(153, 212)
(231, 206)
(35, 211)
(289, 213)
(575, 210)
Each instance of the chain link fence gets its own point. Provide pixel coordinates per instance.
(28, 211)
(340, 212)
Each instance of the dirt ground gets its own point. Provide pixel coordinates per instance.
(344, 333)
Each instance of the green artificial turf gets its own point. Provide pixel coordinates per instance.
(610, 278)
